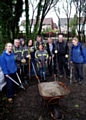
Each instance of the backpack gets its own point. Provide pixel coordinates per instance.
(83, 53)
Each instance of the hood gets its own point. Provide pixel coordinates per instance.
(4, 52)
(78, 45)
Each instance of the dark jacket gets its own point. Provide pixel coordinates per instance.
(48, 49)
(18, 55)
(77, 55)
(24, 51)
(32, 51)
(36, 44)
(8, 64)
(62, 48)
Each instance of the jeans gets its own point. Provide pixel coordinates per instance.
(11, 87)
(42, 72)
(78, 71)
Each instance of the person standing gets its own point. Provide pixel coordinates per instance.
(52, 57)
(41, 57)
(24, 60)
(38, 41)
(17, 55)
(62, 51)
(77, 55)
(9, 68)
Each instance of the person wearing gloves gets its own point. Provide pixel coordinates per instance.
(9, 68)
(62, 51)
(24, 60)
(78, 57)
(18, 55)
(41, 57)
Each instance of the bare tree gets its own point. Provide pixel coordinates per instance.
(67, 6)
(80, 6)
(57, 12)
(38, 9)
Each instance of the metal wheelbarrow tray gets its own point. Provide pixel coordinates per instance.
(51, 93)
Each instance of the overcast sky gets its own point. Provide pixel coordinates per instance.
(51, 13)
(62, 15)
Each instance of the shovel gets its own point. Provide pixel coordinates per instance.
(35, 73)
(20, 85)
(71, 74)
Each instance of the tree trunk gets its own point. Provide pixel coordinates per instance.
(27, 19)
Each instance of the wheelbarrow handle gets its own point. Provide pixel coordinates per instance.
(53, 98)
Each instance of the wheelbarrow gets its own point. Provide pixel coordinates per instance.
(51, 93)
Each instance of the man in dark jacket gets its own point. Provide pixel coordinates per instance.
(62, 50)
(52, 57)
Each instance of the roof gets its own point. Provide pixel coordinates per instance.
(48, 21)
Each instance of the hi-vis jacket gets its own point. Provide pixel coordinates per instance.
(24, 51)
(41, 56)
(17, 55)
(36, 44)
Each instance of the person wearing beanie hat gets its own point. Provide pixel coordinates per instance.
(24, 60)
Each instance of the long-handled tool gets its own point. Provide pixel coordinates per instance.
(71, 74)
(29, 59)
(35, 72)
(20, 85)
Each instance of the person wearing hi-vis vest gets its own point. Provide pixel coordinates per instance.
(17, 55)
(41, 57)
(39, 40)
(24, 60)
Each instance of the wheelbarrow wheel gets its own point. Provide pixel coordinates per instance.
(56, 114)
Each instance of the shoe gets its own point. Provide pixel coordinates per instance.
(75, 81)
(68, 77)
(60, 76)
(15, 95)
(10, 100)
(80, 82)
(45, 79)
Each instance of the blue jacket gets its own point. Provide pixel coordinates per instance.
(78, 53)
(8, 63)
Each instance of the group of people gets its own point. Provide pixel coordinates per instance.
(20, 58)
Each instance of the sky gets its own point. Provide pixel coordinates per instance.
(62, 15)
(51, 13)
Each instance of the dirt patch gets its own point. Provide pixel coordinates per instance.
(30, 106)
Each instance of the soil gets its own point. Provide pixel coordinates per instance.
(30, 106)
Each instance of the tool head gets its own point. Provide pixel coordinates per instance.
(21, 86)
